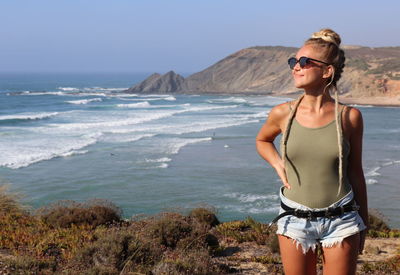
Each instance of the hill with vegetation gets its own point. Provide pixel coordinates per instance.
(369, 72)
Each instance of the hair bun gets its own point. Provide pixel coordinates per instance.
(327, 35)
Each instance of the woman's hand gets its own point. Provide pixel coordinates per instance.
(363, 234)
(280, 170)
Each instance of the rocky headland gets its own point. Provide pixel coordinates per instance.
(371, 75)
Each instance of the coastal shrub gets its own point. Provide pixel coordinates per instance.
(115, 250)
(33, 242)
(205, 216)
(26, 264)
(376, 221)
(168, 228)
(9, 201)
(389, 266)
(168, 241)
(246, 231)
(189, 262)
(67, 213)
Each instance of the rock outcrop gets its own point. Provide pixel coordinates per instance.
(160, 84)
(369, 72)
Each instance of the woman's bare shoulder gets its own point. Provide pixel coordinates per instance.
(353, 116)
(282, 110)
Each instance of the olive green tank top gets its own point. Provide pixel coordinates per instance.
(312, 165)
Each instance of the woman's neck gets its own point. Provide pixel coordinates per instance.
(316, 101)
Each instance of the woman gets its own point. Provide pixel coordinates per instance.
(320, 165)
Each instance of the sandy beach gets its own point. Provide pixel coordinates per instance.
(389, 101)
(375, 101)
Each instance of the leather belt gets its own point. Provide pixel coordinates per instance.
(309, 214)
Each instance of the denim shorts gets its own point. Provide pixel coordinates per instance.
(327, 231)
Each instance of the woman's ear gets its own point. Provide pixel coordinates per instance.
(329, 72)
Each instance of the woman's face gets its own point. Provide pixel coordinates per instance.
(311, 76)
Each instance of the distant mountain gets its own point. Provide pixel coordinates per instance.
(264, 70)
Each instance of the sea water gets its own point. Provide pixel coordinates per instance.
(78, 137)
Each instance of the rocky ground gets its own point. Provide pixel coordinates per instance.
(246, 257)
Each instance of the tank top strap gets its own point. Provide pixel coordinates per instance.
(341, 109)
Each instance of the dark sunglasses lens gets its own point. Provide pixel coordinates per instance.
(292, 62)
(303, 61)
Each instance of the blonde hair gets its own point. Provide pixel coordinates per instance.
(328, 42)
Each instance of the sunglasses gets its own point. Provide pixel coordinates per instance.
(303, 61)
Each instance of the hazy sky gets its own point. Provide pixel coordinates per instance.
(181, 35)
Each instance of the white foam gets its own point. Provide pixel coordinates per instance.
(155, 95)
(371, 181)
(251, 197)
(28, 116)
(373, 172)
(170, 98)
(205, 126)
(84, 101)
(140, 99)
(162, 165)
(209, 108)
(68, 89)
(177, 144)
(104, 89)
(125, 95)
(262, 114)
(90, 94)
(267, 101)
(228, 100)
(390, 163)
(113, 122)
(46, 93)
(362, 106)
(76, 152)
(251, 209)
(145, 104)
(158, 160)
(22, 152)
(125, 139)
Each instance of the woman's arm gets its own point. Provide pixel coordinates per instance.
(355, 170)
(266, 136)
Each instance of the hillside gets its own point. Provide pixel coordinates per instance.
(369, 72)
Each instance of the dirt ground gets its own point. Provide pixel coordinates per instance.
(242, 256)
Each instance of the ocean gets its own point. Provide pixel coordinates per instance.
(79, 137)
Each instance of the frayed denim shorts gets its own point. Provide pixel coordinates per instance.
(327, 231)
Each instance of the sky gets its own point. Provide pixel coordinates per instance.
(181, 35)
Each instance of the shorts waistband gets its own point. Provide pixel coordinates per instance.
(346, 199)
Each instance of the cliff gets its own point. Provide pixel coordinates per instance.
(369, 72)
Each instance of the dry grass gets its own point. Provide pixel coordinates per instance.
(9, 202)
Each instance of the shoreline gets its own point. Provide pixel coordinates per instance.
(364, 101)
(388, 101)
